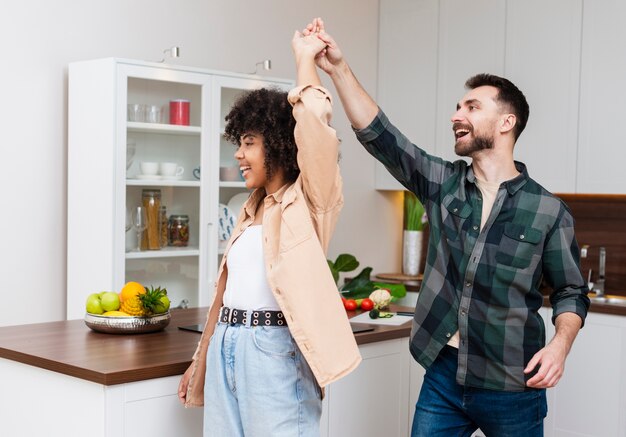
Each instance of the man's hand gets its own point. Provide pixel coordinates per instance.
(551, 362)
(329, 58)
(551, 359)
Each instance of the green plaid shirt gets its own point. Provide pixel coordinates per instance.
(485, 284)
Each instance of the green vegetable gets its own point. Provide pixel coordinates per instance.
(377, 314)
(413, 213)
(344, 263)
(361, 285)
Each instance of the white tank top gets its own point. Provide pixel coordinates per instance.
(246, 284)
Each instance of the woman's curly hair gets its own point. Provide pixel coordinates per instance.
(266, 111)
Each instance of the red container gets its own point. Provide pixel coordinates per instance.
(179, 112)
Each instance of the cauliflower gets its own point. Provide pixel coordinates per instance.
(381, 298)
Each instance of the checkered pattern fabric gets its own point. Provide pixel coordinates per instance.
(484, 283)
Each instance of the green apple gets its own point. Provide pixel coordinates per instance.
(163, 306)
(93, 304)
(110, 301)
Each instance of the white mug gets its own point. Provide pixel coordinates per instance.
(149, 168)
(171, 169)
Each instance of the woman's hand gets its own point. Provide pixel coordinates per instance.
(184, 384)
(306, 44)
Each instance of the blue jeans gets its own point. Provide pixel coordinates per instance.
(446, 409)
(258, 384)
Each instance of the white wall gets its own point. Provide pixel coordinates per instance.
(41, 37)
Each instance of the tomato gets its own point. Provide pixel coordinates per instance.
(349, 304)
(367, 304)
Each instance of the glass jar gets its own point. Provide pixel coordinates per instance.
(151, 200)
(163, 222)
(179, 230)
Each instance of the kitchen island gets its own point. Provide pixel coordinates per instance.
(61, 378)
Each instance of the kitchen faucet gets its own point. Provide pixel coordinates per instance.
(599, 284)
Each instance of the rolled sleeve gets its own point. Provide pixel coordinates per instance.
(376, 127)
(562, 271)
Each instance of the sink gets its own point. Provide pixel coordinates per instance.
(609, 299)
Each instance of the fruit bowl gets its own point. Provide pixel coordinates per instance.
(127, 325)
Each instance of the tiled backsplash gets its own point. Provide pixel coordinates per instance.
(601, 222)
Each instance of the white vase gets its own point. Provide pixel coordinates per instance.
(411, 252)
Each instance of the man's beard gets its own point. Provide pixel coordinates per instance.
(480, 142)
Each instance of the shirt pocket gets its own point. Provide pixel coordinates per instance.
(518, 245)
(296, 226)
(455, 213)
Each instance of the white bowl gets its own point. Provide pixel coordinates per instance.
(230, 174)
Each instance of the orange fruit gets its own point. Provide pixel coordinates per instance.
(131, 290)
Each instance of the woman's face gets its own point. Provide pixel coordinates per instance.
(251, 158)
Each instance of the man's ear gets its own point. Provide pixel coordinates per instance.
(507, 123)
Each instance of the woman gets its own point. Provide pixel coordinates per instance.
(276, 331)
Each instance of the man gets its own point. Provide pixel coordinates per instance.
(494, 233)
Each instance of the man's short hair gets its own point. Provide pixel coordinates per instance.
(508, 94)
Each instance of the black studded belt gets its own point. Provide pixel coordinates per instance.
(233, 316)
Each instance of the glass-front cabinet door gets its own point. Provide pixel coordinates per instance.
(162, 147)
(153, 187)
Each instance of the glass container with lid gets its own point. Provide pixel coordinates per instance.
(151, 200)
(179, 230)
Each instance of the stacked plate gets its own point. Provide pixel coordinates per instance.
(236, 202)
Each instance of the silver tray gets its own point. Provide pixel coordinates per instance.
(127, 325)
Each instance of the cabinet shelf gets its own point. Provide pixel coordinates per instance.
(168, 252)
(237, 184)
(160, 183)
(172, 129)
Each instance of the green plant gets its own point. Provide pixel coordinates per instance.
(361, 286)
(413, 213)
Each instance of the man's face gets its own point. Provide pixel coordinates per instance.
(475, 121)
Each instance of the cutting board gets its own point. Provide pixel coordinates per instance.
(393, 321)
(399, 277)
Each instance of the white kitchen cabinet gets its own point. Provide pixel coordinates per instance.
(427, 50)
(542, 57)
(471, 41)
(377, 398)
(601, 153)
(101, 255)
(560, 53)
(590, 398)
(407, 70)
(63, 405)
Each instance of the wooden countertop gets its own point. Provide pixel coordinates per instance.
(71, 348)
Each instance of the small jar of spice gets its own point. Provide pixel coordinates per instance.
(179, 230)
(163, 232)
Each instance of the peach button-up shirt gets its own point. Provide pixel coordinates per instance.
(298, 222)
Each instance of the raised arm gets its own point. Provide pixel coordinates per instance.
(358, 105)
(305, 48)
